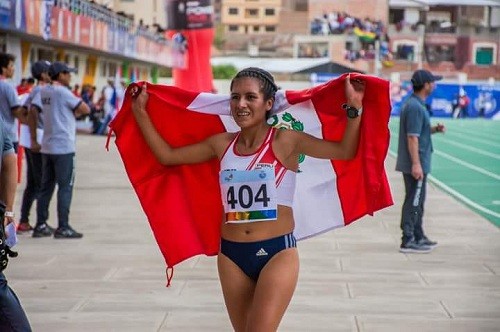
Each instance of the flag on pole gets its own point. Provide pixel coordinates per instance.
(365, 36)
(183, 203)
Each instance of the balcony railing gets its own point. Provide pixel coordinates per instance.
(101, 13)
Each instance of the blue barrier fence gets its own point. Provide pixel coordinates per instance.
(483, 98)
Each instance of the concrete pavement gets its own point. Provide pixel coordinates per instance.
(351, 279)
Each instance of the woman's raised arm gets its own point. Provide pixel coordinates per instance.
(345, 149)
(166, 155)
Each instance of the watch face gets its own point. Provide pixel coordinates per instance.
(352, 112)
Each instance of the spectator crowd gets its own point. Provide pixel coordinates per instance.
(367, 30)
(341, 22)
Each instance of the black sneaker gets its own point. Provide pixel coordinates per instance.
(426, 242)
(67, 233)
(42, 230)
(414, 247)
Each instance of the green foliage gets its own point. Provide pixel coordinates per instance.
(164, 72)
(219, 39)
(224, 71)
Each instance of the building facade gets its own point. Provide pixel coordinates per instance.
(250, 17)
(400, 36)
(151, 12)
(97, 41)
(464, 37)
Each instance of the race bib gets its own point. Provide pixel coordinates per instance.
(249, 196)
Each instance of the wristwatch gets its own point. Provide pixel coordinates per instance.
(352, 112)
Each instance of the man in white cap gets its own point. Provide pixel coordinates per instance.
(60, 110)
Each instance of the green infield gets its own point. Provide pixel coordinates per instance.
(465, 162)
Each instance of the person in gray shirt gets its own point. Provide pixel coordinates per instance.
(414, 161)
(60, 108)
(39, 70)
(10, 108)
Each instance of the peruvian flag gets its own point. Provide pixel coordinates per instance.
(183, 203)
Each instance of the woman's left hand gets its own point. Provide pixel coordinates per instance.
(354, 92)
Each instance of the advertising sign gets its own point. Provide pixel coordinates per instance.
(189, 14)
(12, 15)
(481, 100)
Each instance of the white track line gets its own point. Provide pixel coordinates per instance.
(470, 148)
(465, 164)
(473, 133)
(468, 165)
(457, 195)
(482, 141)
(462, 198)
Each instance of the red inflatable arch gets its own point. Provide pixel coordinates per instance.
(190, 27)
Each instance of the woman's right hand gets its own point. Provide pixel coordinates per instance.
(140, 101)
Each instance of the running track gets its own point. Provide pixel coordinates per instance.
(465, 162)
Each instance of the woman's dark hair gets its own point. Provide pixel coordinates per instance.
(267, 86)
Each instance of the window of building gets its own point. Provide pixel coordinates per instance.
(233, 11)
(439, 21)
(270, 12)
(396, 15)
(405, 50)
(76, 62)
(33, 58)
(437, 53)
(270, 28)
(233, 28)
(104, 68)
(495, 17)
(484, 54)
(37, 54)
(474, 15)
(256, 28)
(301, 6)
(251, 12)
(313, 50)
(111, 69)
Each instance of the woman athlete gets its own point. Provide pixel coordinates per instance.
(258, 261)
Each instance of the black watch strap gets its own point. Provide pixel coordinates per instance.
(352, 112)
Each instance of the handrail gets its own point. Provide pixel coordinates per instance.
(102, 13)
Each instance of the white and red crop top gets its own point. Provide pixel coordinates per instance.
(249, 195)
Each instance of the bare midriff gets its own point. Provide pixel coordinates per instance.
(260, 230)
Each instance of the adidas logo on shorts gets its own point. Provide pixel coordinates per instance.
(261, 252)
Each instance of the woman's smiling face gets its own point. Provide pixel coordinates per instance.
(248, 106)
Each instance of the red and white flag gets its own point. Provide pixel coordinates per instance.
(183, 203)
